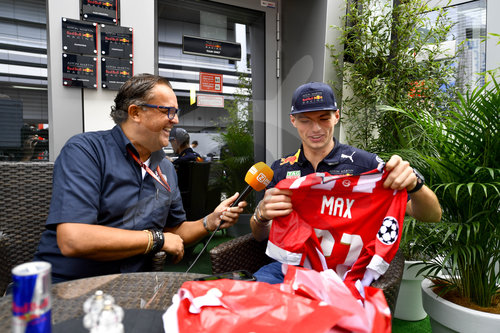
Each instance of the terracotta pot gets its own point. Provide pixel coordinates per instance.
(448, 317)
(409, 304)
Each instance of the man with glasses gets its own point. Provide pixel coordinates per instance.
(115, 200)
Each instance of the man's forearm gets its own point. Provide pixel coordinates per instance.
(424, 206)
(99, 242)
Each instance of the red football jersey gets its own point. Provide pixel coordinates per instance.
(350, 224)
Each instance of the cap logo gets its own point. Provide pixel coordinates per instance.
(315, 97)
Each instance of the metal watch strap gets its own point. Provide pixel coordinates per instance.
(205, 223)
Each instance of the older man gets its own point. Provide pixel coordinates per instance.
(115, 198)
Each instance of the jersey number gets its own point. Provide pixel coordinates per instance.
(354, 242)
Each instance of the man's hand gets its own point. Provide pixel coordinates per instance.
(424, 205)
(225, 213)
(401, 175)
(275, 203)
(173, 245)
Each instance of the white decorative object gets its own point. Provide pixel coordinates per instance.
(409, 304)
(447, 317)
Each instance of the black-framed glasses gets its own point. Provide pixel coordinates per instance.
(170, 111)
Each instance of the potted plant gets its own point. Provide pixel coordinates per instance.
(378, 56)
(461, 147)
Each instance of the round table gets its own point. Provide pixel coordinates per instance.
(149, 290)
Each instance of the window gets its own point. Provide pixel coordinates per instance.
(23, 81)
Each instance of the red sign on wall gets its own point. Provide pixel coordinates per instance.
(210, 82)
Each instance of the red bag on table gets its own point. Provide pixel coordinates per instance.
(308, 301)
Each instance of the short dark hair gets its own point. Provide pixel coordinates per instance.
(137, 90)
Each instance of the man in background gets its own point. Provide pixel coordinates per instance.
(179, 139)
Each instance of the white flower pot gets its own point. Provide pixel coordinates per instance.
(448, 317)
(409, 304)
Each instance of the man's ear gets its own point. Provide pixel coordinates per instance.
(292, 120)
(133, 111)
(336, 115)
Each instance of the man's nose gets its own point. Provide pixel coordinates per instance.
(175, 120)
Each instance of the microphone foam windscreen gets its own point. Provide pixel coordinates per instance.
(259, 176)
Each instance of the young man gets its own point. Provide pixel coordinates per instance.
(314, 114)
(115, 199)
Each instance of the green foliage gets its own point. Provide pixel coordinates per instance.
(413, 240)
(393, 56)
(237, 154)
(460, 151)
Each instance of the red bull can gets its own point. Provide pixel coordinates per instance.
(31, 299)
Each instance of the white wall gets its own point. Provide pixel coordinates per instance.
(75, 110)
(141, 16)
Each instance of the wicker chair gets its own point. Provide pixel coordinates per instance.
(246, 253)
(26, 192)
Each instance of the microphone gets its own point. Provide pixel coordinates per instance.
(257, 178)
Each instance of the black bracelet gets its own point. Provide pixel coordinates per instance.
(158, 240)
(420, 182)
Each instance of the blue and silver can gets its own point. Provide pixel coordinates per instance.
(31, 299)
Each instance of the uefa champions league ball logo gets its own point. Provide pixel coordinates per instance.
(389, 231)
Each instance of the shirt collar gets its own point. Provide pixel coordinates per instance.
(331, 159)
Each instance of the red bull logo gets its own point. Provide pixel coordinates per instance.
(31, 299)
(316, 98)
(290, 159)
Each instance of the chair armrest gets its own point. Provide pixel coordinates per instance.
(243, 252)
(391, 280)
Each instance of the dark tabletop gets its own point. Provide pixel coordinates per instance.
(151, 290)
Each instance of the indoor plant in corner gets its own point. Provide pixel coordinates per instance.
(463, 155)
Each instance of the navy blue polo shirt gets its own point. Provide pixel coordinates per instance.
(96, 181)
(343, 159)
